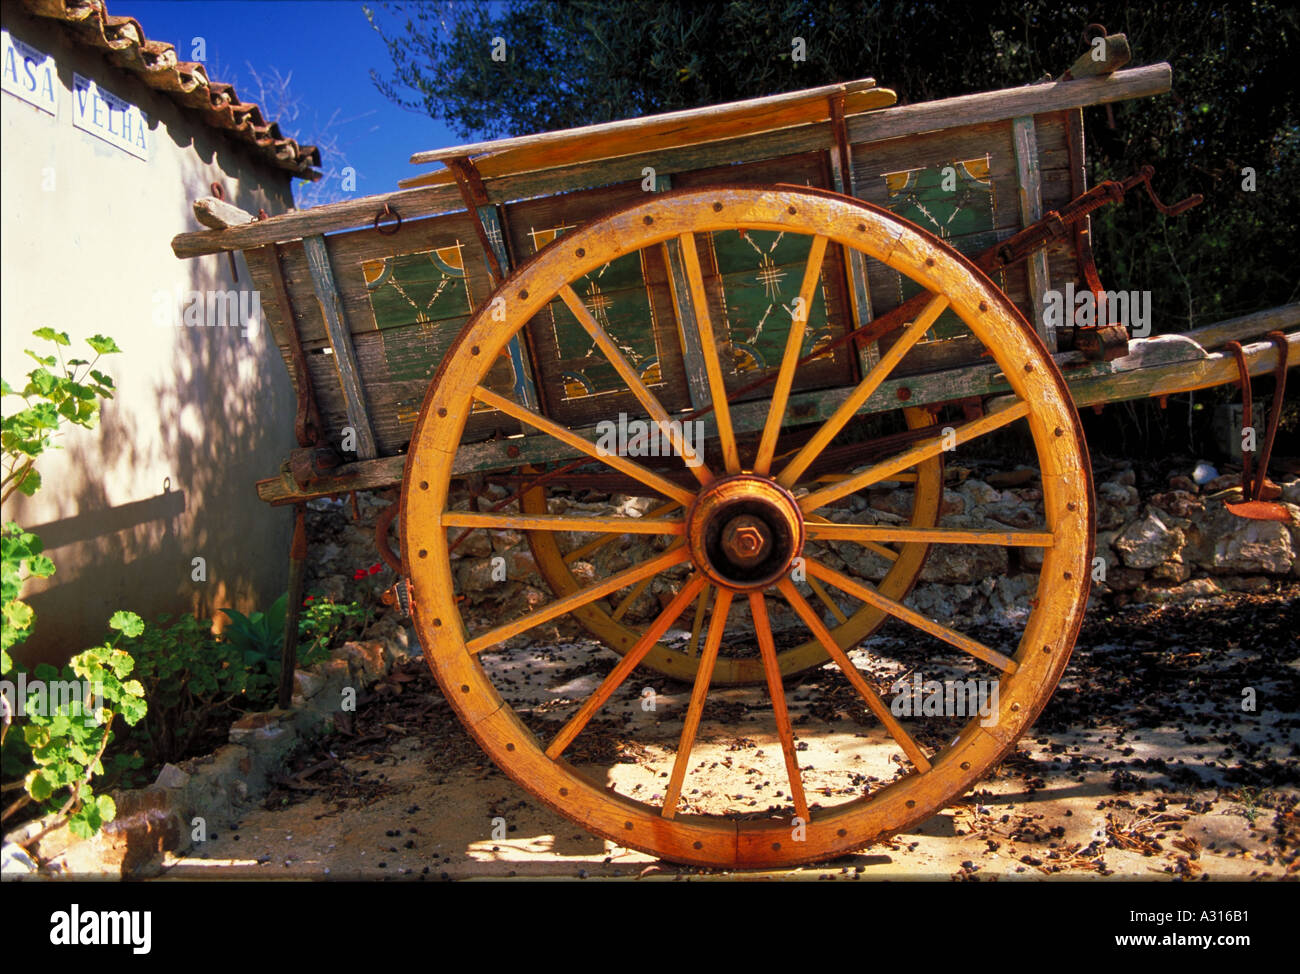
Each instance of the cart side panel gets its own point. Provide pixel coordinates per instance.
(965, 186)
(630, 297)
(753, 280)
(405, 297)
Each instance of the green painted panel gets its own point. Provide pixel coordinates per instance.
(955, 202)
(418, 288)
(761, 273)
(618, 298)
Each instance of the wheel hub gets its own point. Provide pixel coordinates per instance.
(744, 531)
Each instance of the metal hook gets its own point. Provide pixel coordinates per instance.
(391, 229)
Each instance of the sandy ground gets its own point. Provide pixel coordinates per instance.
(1143, 766)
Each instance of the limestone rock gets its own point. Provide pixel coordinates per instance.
(1116, 504)
(1227, 544)
(1198, 588)
(1148, 542)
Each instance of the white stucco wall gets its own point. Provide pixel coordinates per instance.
(201, 413)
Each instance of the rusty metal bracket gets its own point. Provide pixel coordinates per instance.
(382, 524)
(841, 132)
(1257, 492)
(474, 195)
(1054, 225)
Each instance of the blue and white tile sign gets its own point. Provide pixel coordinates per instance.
(113, 119)
(29, 74)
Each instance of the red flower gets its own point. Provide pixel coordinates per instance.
(376, 568)
(359, 574)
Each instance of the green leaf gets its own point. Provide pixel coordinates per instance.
(42, 381)
(18, 615)
(40, 566)
(107, 807)
(121, 663)
(58, 337)
(127, 623)
(30, 483)
(102, 344)
(39, 785)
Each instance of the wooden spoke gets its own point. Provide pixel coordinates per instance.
(648, 400)
(709, 345)
(625, 666)
(855, 677)
(889, 554)
(870, 382)
(570, 602)
(622, 464)
(775, 689)
(701, 607)
(900, 611)
(596, 543)
(717, 626)
(826, 600)
(921, 451)
(793, 346)
(862, 533)
(560, 522)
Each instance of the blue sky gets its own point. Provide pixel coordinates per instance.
(327, 49)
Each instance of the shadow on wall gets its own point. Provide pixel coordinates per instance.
(221, 417)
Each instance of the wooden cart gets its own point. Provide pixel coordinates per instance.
(839, 291)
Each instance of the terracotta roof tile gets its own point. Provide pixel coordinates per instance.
(122, 41)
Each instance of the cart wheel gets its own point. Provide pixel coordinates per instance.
(681, 662)
(740, 534)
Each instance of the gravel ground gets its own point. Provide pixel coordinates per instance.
(1143, 766)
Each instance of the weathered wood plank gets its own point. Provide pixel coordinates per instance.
(1031, 209)
(993, 106)
(1247, 326)
(340, 336)
(697, 382)
(667, 130)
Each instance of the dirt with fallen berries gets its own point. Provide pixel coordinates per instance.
(1148, 763)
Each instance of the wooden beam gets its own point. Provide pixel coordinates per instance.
(695, 124)
(1008, 103)
(340, 337)
(1165, 379)
(1029, 183)
(1247, 326)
